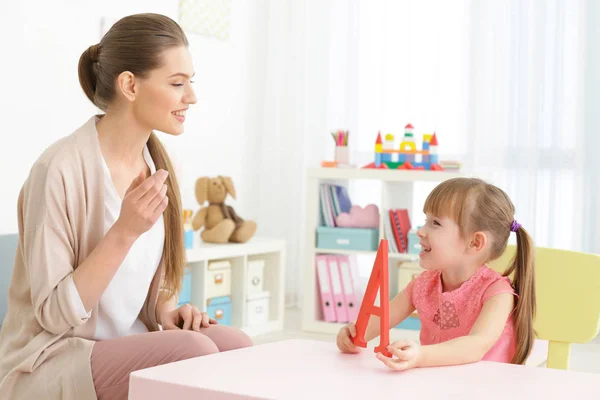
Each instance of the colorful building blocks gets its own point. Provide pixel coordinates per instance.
(406, 157)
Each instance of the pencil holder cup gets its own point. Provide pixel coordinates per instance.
(341, 154)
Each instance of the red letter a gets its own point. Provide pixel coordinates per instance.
(379, 280)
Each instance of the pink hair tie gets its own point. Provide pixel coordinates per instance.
(515, 226)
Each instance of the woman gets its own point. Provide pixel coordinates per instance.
(101, 254)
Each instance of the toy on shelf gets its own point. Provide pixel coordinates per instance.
(378, 282)
(358, 217)
(341, 156)
(188, 231)
(406, 155)
(220, 221)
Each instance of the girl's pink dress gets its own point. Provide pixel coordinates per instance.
(448, 315)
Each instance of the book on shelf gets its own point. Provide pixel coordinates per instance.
(397, 227)
(333, 200)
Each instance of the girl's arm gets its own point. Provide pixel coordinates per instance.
(467, 349)
(400, 309)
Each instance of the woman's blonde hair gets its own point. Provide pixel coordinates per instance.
(135, 44)
(479, 206)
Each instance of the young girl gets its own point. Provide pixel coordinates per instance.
(101, 254)
(468, 312)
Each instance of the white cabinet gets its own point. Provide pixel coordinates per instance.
(241, 271)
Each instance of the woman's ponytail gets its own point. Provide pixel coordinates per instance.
(88, 76)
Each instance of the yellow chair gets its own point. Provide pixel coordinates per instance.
(568, 299)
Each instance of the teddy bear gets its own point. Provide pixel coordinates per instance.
(221, 223)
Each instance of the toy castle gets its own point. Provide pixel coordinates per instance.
(407, 157)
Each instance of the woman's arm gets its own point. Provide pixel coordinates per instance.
(165, 303)
(143, 204)
(94, 274)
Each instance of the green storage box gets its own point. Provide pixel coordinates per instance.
(347, 239)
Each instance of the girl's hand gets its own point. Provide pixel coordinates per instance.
(143, 203)
(406, 354)
(344, 339)
(186, 317)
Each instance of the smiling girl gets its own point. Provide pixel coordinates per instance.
(468, 312)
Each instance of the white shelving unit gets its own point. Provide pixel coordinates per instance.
(397, 188)
(272, 251)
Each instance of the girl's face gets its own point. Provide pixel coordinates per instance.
(442, 246)
(166, 93)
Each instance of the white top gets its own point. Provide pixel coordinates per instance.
(122, 301)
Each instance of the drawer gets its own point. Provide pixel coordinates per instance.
(347, 238)
(255, 276)
(185, 296)
(218, 279)
(257, 308)
(219, 308)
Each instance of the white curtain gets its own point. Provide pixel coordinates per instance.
(506, 85)
(526, 120)
(287, 42)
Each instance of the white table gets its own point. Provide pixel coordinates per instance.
(303, 369)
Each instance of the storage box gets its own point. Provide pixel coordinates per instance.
(219, 308)
(185, 296)
(257, 308)
(347, 238)
(218, 279)
(255, 276)
(413, 243)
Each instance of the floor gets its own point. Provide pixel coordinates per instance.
(584, 357)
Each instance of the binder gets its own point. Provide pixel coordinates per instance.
(341, 310)
(350, 300)
(327, 303)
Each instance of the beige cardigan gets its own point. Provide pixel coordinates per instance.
(45, 347)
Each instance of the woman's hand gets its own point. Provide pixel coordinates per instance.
(344, 339)
(186, 317)
(144, 202)
(406, 354)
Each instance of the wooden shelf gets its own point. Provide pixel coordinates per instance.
(385, 175)
(391, 256)
(210, 251)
